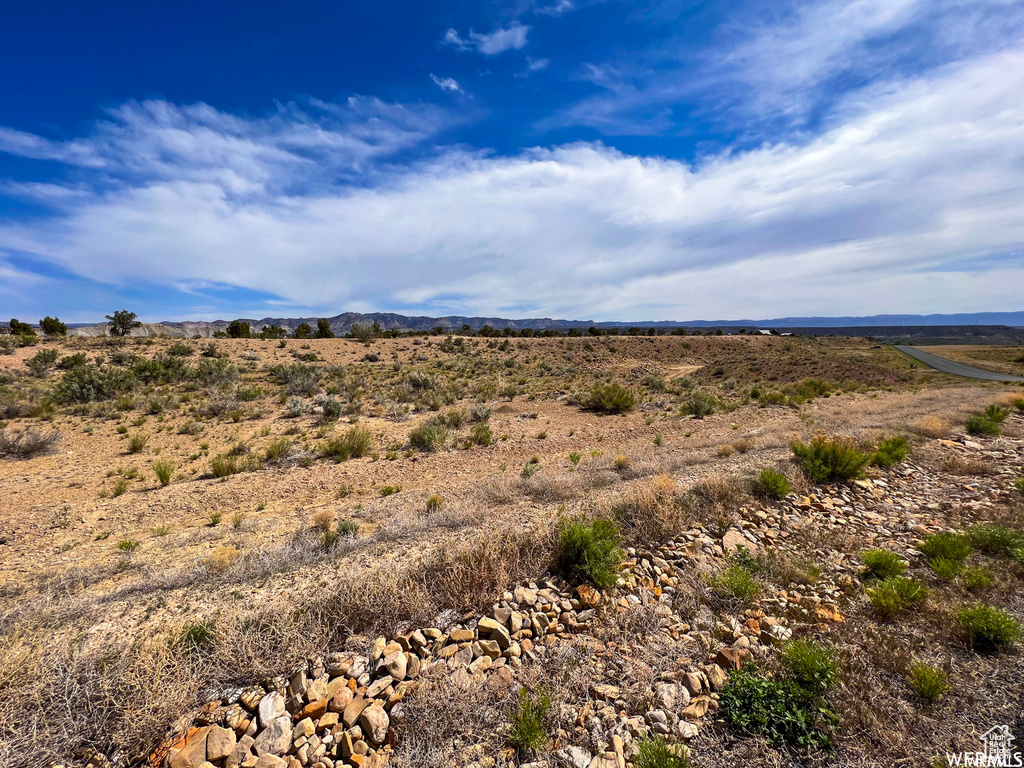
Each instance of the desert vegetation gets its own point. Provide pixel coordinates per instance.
(674, 550)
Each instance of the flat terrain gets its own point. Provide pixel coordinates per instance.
(1004, 359)
(948, 365)
(267, 446)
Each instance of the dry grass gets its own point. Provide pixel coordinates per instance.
(652, 512)
(27, 443)
(931, 426)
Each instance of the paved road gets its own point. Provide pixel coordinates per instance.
(957, 369)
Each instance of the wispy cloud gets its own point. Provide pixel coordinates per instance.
(900, 203)
(533, 66)
(770, 77)
(512, 37)
(446, 83)
(556, 8)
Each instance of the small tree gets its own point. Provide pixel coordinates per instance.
(323, 329)
(303, 331)
(19, 328)
(122, 322)
(273, 332)
(238, 329)
(53, 327)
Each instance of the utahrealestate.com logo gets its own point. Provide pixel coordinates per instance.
(997, 751)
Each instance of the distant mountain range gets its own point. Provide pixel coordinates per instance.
(390, 321)
(343, 323)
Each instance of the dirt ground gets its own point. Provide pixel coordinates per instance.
(97, 555)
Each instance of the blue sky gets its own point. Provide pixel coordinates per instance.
(569, 158)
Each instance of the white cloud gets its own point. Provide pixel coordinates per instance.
(912, 201)
(512, 37)
(755, 74)
(556, 8)
(533, 66)
(446, 83)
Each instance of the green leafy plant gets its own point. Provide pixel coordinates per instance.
(430, 437)
(979, 425)
(481, 434)
(164, 470)
(976, 577)
(655, 752)
(996, 413)
(930, 683)
(781, 711)
(700, 404)
(1000, 540)
(945, 568)
(896, 594)
(528, 730)
(277, 450)
(196, 637)
(890, 452)
(736, 581)
(987, 627)
(389, 490)
(127, 545)
(137, 443)
(772, 484)
(882, 564)
(812, 665)
(434, 502)
(611, 398)
(948, 546)
(826, 459)
(589, 550)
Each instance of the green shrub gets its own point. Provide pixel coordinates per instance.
(90, 383)
(986, 627)
(137, 442)
(528, 731)
(390, 490)
(330, 409)
(780, 711)
(811, 664)
(278, 449)
(127, 545)
(736, 581)
(975, 577)
(700, 404)
(882, 564)
(929, 682)
(1019, 485)
(896, 594)
(772, 484)
(42, 362)
(996, 539)
(1018, 403)
(360, 441)
(222, 466)
(120, 488)
(196, 637)
(590, 550)
(434, 502)
(481, 434)
(827, 459)
(164, 470)
(611, 398)
(944, 568)
(948, 546)
(430, 437)
(979, 425)
(890, 452)
(655, 752)
(996, 413)
(347, 528)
